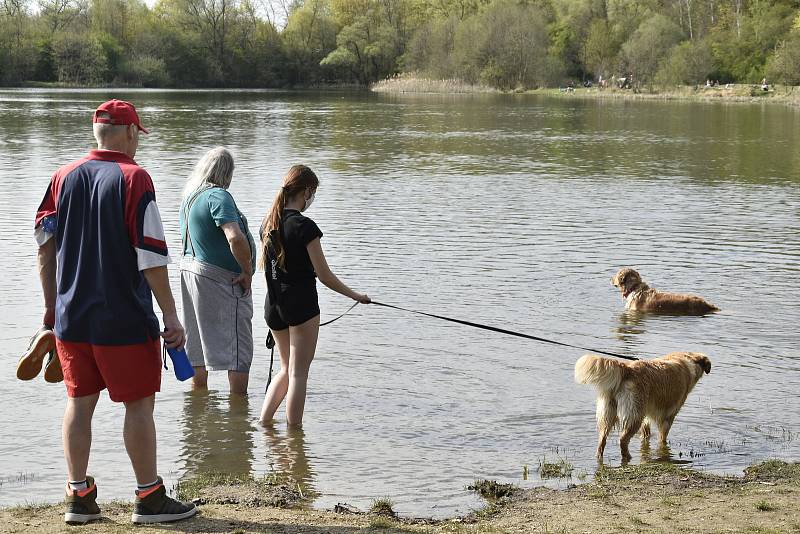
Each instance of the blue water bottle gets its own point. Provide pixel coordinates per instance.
(180, 364)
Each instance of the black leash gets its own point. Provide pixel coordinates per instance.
(503, 331)
(271, 340)
(326, 323)
(271, 343)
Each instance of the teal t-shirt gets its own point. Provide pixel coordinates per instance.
(206, 242)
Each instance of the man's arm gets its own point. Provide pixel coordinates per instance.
(46, 261)
(240, 248)
(158, 280)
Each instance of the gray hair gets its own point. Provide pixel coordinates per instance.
(214, 168)
(104, 130)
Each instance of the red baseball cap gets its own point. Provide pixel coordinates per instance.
(121, 112)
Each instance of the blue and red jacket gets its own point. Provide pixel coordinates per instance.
(102, 212)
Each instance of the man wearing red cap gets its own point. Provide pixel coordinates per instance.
(101, 254)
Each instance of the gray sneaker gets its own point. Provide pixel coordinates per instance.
(82, 504)
(154, 506)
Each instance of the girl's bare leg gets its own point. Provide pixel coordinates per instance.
(280, 382)
(303, 344)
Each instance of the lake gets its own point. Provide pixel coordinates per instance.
(508, 210)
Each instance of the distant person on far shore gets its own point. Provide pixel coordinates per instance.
(293, 259)
(764, 85)
(100, 224)
(219, 257)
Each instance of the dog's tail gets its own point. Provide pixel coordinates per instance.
(604, 373)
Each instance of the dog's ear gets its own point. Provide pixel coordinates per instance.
(705, 363)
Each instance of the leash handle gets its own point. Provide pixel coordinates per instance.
(504, 331)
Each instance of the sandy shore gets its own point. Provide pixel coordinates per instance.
(653, 497)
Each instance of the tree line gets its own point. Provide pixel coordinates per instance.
(507, 44)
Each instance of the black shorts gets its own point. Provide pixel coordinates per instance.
(295, 306)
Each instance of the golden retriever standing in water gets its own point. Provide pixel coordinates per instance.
(641, 297)
(637, 393)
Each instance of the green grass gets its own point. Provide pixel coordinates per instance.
(492, 489)
(383, 507)
(29, 508)
(635, 472)
(226, 488)
(558, 469)
(774, 470)
(764, 506)
(192, 487)
(382, 522)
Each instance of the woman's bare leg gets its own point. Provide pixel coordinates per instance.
(200, 378)
(238, 382)
(303, 344)
(280, 382)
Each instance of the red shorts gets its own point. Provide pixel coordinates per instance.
(130, 372)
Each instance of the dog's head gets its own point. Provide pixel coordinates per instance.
(701, 360)
(627, 280)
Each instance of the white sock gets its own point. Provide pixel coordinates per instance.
(145, 487)
(78, 485)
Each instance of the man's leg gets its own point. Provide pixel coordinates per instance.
(140, 438)
(77, 434)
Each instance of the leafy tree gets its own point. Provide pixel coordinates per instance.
(784, 65)
(145, 71)
(688, 63)
(366, 43)
(45, 62)
(81, 60)
(600, 49)
(650, 43)
(740, 54)
(309, 36)
(506, 46)
(61, 14)
(431, 49)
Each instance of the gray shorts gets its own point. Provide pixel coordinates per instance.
(217, 316)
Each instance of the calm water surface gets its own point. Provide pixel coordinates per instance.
(511, 211)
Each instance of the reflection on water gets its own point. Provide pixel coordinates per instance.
(287, 457)
(217, 435)
(661, 453)
(630, 324)
(509, 210)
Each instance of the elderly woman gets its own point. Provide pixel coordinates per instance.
(216, 272)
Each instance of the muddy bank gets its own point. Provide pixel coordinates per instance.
(649, 497)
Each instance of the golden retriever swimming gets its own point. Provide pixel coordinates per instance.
(637, 393)
(641, 297)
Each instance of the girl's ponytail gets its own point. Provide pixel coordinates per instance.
(298, 179)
